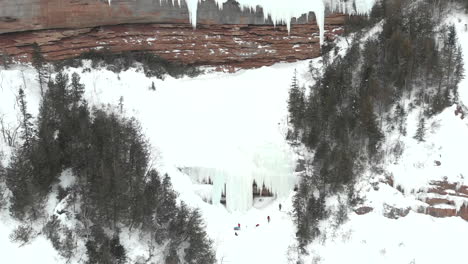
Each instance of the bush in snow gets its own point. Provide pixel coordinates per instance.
(22, 234)
(2, 184)
(62, 238)
(153, 65)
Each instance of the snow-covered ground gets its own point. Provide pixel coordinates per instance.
(220, 121)
(40, 249)
(217, 120)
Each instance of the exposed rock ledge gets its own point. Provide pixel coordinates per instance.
(228, 36)
(448, 199)
(441, 199)
(243, 46)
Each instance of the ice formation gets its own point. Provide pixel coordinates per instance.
(282, 11)
(269, 164)
(234, 166)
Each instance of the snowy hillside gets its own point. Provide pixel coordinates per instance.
(218, 120)
(231, 129)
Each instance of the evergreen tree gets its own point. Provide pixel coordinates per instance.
(38, 62)
(77, 91)
(117, 250)
(421, 130)
(18, 181)
(168, 208)
(296, 104)
(20, 171)
(26, 121)
(199, 250)
(98, 247)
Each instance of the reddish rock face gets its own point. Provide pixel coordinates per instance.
(25, 15)
(451, 191)
(363, 210)
(237, 46)
(444, 205)
(230, 36)
(447, 212)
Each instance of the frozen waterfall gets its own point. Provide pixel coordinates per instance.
(269, 164)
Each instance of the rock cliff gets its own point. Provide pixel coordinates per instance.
(229, 36)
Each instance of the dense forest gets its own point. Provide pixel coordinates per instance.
(411, 64)
(115, 185)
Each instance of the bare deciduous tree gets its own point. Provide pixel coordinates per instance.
(9, 132)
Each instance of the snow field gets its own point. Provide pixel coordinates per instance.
(234, 123)
(416, 238)
(39, 251)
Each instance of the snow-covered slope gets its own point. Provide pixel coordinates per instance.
(427, 178)
(222, 121)
(234, 123)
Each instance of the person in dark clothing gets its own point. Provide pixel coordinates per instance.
(257, 225)
(236, 233)
(280, 207)
(268, 218)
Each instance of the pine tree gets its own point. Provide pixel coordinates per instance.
(117, 250)
(151, 201)
(421, 130)
(38, 62)
(26, 121)
(199, 250)
(98, 247)
(296, 105)
(77, 90)
(168, 208)
(178, 231)
(18, 181)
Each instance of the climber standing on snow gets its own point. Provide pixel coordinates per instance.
(280, 207)
(268, 218)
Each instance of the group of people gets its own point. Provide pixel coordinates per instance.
(238, 227)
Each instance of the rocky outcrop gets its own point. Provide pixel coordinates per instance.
(230, 36)
(363, 210)
(451, 200)
(243, 46)
(25, 15)
(442, 199)
(393, 212)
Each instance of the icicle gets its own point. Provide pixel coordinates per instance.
(283, 11)
(192, 6)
